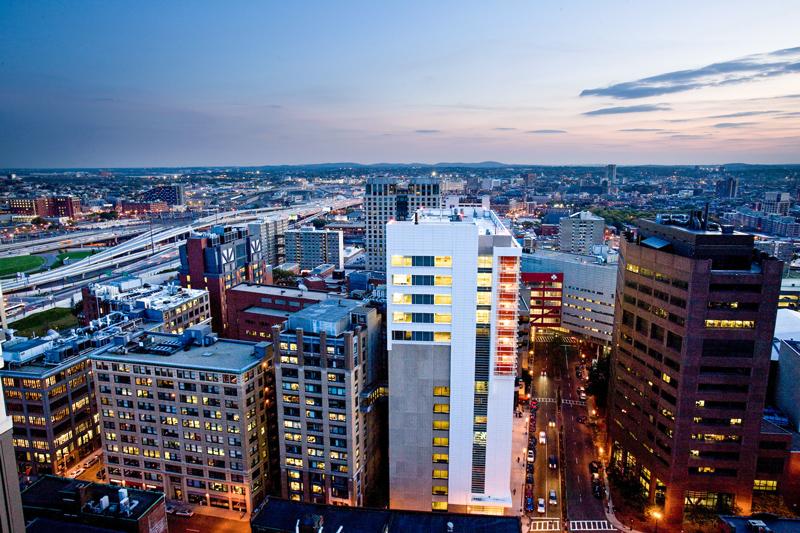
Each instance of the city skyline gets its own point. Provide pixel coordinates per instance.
(112, 86)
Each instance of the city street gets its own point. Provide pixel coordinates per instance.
(558, 400)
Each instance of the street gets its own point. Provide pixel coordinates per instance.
(556, 393)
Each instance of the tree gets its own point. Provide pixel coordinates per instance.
(318, 223)
(108, 215)
(703, 516)
(284, 278)
(38, 221)
(772, 504)
(598, 380)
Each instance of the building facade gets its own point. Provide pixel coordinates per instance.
(169, 194)
(580, 232)
(11, 518)
(694, 318)
(543, 292)
(272, 231)
(187, 415)
(330, 448)
(310, 247)
(219, 260)
(388, 199)
(588, 289)
(452, 307)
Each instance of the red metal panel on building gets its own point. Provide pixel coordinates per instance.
(545, 297)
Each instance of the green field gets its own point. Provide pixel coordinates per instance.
(56, 318)
(23, 263)
(73, 256)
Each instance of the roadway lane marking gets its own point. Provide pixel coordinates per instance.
(545, 524)
(590, 525)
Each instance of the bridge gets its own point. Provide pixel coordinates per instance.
(156, 241)
(69, 240)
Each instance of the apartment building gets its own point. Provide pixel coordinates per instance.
(580, 232)
(49, 396)
(452, 306)
(46, 206)
(175, 308)
(310, 247)
(694, 319)
(187, 415)
(169, 194)
(218, 260)
(325, 372)
(271, 231)
(388, 198)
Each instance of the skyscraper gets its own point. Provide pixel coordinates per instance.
(452, 289)
(727, 188)
(580, 232)
(389, 198)
(776, 203)
(694, 318)
(272, 232)
(310, 247)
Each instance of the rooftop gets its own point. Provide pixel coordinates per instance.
(58, 494)
(331, 316)
(275, 290)
(192, 349)
(282, 516)
(486, 220)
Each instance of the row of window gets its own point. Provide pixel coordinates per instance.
(444, 261)
(421, 336)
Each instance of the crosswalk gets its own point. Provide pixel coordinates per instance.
(545, 400)
(573, 402)
(545, 524)
(590, 525)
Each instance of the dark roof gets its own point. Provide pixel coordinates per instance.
(47, 525)
(777, 525)
(279, 516)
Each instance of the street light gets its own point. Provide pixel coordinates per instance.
(657, 516)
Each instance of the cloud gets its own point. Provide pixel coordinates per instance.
(744, 114)
(504, 129)
(668, 132)
(644, 108)
(545, 132)
(686, 136)
(640, 129)
(426, 132)
(789, 114)
(741, 70)
(734, 124)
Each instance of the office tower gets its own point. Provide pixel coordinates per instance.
(187, 415)
(170, 308)
(330, 445)
(727, 188)
(271, 230)
(169, 194)
(776, 203)
(388, 198)
(580, 232)
(452, 290)
(219, 260)
(11, 519)
(49, 395)
(611, 179)
(694, 319)
(310, 247)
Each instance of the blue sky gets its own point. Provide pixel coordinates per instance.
(239, 83)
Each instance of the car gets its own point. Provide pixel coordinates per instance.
(188, 513)
(551, 423)
(91, 462)
(529, 467)
(581, 420)
(582, 396)
(540, 506)
(170, 508)
(529, 504)
(543, 373)
(78, 472)
(529, 490)
(552, 499)
(100, 473)
(531, 455)
(598, 491)
(595, 466)
(552, 462)
(529, 477)
(542, 437)
(581, 389)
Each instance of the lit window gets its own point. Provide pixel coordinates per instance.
(482, 316)
(441, 391)
(442, 318)
(442, 299)
(443, 261)
(440, 474)
(441, 425)
(484, 298)
(731, 324)
(401, 261)
(442, 408)
(400, 298)
(485, 261)
(401, 279)
(484, 280)
(441, 336)
(439, 490)
(398, 317)
(441, 441)
(439, 506)
(443, 281)
(440, 458)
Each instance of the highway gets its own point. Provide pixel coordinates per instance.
(69, 240)
(158, 241)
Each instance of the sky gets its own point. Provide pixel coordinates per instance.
(201, 83)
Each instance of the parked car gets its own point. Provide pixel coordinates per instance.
(91, 462)
(100, 473)
(540, 506)
(595, 467)
(170, 508)
(78, 472)
(582, 396)
(188, 513)
(529, 504)
(529, 467)
(551, 423)
(553, 462)
(553, 500)
(529, 477)
(531, 455)
(542, 437)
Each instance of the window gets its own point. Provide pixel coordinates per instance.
(439, 506)
(444, 261)
(442, 318)
(441, 441)
(401, 279)
(439, 490)
(484, 261)
(766, 485)
(440, 474)
(440, 458)
(441, 391)
(441, 336)
(443, 281)
(731, 324)
(441, 408)
(484, 280)
(441, 425)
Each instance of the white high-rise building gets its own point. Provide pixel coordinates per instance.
(452, 289)
(580, 232)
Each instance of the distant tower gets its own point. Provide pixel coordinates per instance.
(611, 178)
